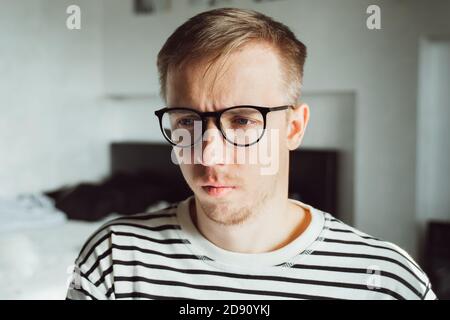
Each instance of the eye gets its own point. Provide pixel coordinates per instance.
(243, 121)
(186, 122)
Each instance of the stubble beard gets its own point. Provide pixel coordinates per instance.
(231, 214)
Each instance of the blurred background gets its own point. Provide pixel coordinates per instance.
(79, 143)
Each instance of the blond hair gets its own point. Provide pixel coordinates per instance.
(217, 33)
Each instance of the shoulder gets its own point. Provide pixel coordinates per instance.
(395, 268)
(116, 242)
(123, 230)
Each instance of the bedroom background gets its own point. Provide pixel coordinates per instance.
(379, 99)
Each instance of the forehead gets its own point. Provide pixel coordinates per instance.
(249, 76)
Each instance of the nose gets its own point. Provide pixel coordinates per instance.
(213, 145)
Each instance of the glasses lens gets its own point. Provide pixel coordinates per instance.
(242, 126)
(182, 127)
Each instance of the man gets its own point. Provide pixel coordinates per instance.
(231, 80)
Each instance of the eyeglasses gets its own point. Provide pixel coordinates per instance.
(242, 126)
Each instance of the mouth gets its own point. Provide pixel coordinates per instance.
(218, 190)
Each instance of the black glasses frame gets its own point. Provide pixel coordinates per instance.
(216, 115)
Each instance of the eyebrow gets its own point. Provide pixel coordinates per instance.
(217, 110)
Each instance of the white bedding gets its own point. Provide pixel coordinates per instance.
(36, 263)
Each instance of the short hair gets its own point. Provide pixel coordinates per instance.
(217, 33)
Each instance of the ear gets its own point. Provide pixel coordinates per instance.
(296, 125)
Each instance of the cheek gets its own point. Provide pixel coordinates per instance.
(188, 173)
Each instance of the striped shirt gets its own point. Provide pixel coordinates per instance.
(161, 255)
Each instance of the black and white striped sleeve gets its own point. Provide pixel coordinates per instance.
(91, 277)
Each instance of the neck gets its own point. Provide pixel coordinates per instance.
(276, 225)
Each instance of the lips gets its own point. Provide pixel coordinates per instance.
(218, 190)
(216, 186)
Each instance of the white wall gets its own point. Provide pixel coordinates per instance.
(50, 89)
(433, 152)
(55, 123)
(332, 126)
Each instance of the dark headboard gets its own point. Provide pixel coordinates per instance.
(313, 173)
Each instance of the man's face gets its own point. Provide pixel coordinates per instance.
(228, 189)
